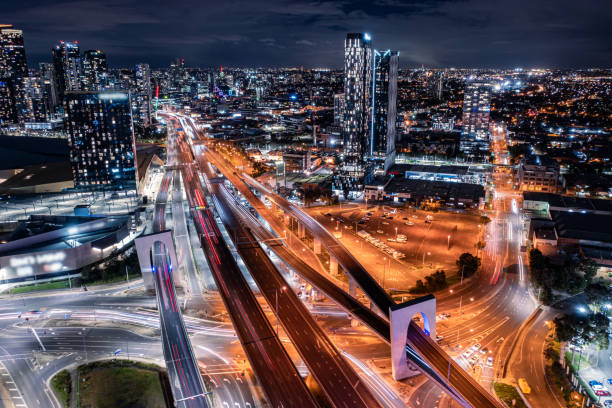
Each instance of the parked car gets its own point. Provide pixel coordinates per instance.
(602, 393)
(609, 381)
(380, 231)
(608, 403)
(474, 359)
(439, 338)
(596, 385)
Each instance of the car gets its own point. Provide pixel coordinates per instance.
(349, 227)
(439, 338)
(380, 231)
(361, 222)
(608, 403)
(609, 380)
(474, 359)
(415, 216)
(389, 218)
(476, 347)
(596, 385)
(490, 361)
(391, 240)
(467, 353)
(484, 350)
(602, 393)
(404, 218)
(446, 315)
(409, 223)
(501, 339)
(328, 214)
(385, 223)
(369, 214)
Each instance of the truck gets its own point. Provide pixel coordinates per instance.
(525, 388)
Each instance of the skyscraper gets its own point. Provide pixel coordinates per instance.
(67, 64)
(13, 71)
(142, 99)
(476, 107)
(47, 73)
(357, 94)
(94, 70)
(384, 104)
(13, 62)
(101, 139)
(436, 85)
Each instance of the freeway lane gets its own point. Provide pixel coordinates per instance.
(278, 376)
(185, 378)
(338, 380)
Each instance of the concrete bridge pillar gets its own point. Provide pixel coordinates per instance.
(316, 246)
(301, 230)
(352, 286)
(333, 266)
(144, 246)
(401, 316)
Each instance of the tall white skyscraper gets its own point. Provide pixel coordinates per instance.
(476, 108)
(357, 98)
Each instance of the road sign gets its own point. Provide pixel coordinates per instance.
(117, 351)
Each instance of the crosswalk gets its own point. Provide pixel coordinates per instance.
(9, 385)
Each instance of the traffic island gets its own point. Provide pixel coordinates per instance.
(509, 395)
(122, 384)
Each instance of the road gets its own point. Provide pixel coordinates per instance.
(185, 378)
(279, 378)
(337, 379)
(430, 352)
(470, 389)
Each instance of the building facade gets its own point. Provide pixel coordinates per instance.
(338, 109)
(67, 66)
(539, 173)
(95, 70)
(101, 139)
(13, 72)
(357, 98)
(476, 108)
(384, 106)
(142, 97)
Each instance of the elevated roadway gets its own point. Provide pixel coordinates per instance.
(280, 380)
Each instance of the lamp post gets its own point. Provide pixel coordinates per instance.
(276, 292)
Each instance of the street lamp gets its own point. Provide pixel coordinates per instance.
(428, 253)
(448, 241)
(276, 292)
(396, 233)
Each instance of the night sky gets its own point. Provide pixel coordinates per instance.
(435, 33)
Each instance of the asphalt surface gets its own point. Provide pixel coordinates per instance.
(460, 380)
(335, 376)
(185, 378)
(279, 378)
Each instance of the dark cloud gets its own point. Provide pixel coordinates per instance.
(462, 33)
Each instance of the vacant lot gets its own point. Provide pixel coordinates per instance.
(120, 385)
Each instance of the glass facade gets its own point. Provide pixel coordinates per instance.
(101, 139)
(384, 104)
(476, 107)
(67, 64)
(94, 70)
(357, 97)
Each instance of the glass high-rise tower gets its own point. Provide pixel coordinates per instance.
(476, 108)
(67, 64)
(384, 105)
(13, 72)
(94, 70)
(101, 139)
(357, 98)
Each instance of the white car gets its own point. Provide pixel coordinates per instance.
(467, 353)
(476, 347)
(490, 361)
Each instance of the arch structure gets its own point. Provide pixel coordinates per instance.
(400, 316)
(144, 247)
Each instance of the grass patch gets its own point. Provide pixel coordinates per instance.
(508, 393)
(580, 360)
(120, 384)
(62, 385)
(61, 284)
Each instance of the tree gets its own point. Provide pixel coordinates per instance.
(597, 295)
(588, 268)
(468, 264)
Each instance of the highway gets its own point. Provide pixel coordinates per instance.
(185, 378)
(279, 378)
(337, 379)
(428, 352)
(460, 380)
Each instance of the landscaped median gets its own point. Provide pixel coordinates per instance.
(114, 384)
(509, 395)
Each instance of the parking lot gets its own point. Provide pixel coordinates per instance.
(418, 245)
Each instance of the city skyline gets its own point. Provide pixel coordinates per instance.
(471, 34)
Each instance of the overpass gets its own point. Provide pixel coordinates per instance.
(421, 350)
(280, 380)
(323, 359)
(185, 378)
